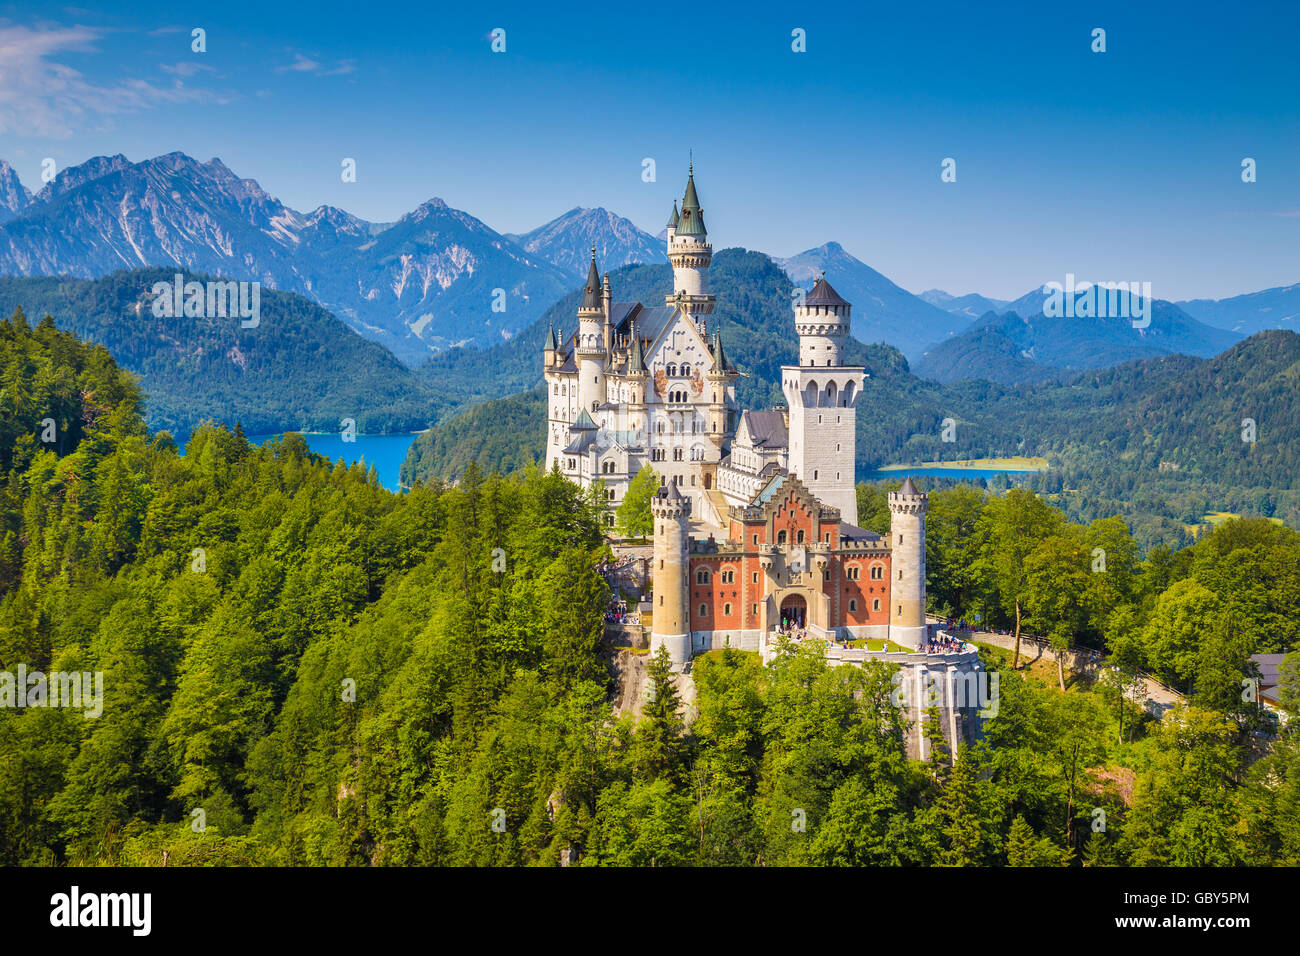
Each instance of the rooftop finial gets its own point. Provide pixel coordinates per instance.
(593, 252)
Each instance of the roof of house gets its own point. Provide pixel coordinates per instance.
(823, 294)
(766, 428)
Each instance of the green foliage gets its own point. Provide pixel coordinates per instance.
(634, 519)
(338, 675)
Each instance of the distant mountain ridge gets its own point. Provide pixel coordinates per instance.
(425, 282)
(14, 196)
(1009, 349)
(1277, 308)
(971, 305)
(882, 310)
(566, 242)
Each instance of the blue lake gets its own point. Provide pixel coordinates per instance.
(385, 452)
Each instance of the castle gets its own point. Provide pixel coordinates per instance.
(637, 385)
(755, 521)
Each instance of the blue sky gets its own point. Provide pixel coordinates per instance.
(1123, 165)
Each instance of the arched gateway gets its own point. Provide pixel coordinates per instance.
(794, 610)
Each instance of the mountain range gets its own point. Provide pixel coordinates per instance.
(439, 286)
(1007, 348)
(882, 311)
(426, 282)
(567, 242)
(1277, 308)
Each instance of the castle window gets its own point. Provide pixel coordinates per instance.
(799, 538)
(755, 577)
(756, 542)
(814, 474)
(900, 539)
(853, 604)
(837, 446)
(828, 537)
(900, 610)
(702, 576)
(819, 419)
(755, 610)
(672, 368)
(877, 572)
(686, 370)
(851, 572)
(780, 537)
(900, 574)
(875, 605)
(726, 609)
(704, 610)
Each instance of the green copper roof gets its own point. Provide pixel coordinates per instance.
(583, 423)
(591, 294)
(691, 222)
(550, 338)
(674, 218)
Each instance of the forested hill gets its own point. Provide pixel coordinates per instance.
(322, 672)
(300, 368)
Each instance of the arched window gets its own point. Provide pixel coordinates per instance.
(672, 368)
(877, 572)
(702, 576)
(704, 610)
(686, 370)
(726, 609)
(847, 400)
(780, 537)
(853, 604)
(799, 537)
(832, 394)
(810, 395)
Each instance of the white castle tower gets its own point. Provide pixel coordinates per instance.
(821, 393)
(690, 253)
(671, 619)
(592, 353)
(907, 508)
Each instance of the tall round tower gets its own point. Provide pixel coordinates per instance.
(671, 616)
(907, 508)
(591, 353)
(822, 393)
(690, 253)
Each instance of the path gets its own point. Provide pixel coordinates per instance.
(1083, 661)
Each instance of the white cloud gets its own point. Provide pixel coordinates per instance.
(305, 64)
(42, 97)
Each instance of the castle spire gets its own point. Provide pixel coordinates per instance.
(691, 222)
(674, 218)
(635, 360)
(592, 293)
